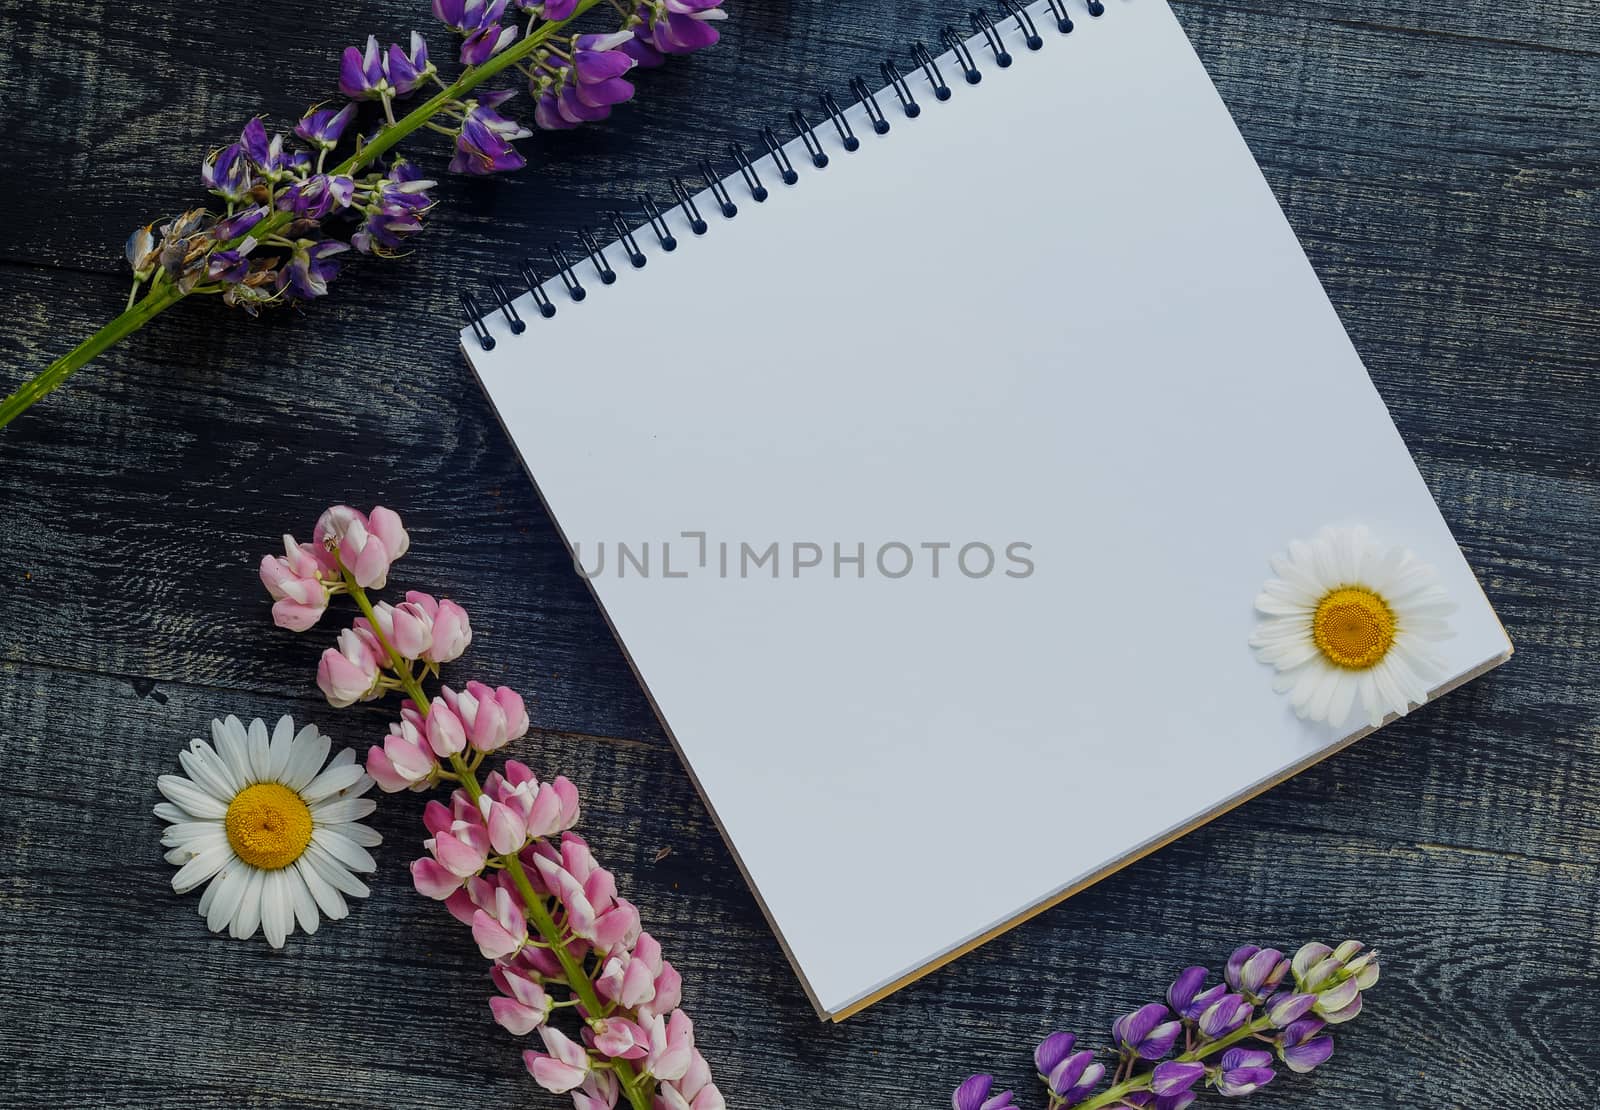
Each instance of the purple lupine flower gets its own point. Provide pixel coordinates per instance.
(1186, 997)
(680, 26)
(311, 267)
(597, 59)
(266, 153)
(478, 21)
(407, 72)
(1147, 1032)
(1303, 1046)
(318, 195)
(1255, 972)
(1226, 1015)
(226, 172)
(547, 114)
(1174, 1077)
(324, 127)
(230, 266)
(1071, 1076)
(483, 145)
(384, 233)
(237, 225)
(361, 72)
(974, 1095)
(1284, 1009)
(1244, 1071)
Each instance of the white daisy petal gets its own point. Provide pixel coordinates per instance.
(278, 748)
(344, 757)
(183, 853)
(337, 810)
(1344, 696)
(337, 874)
(206, 770)
(343, 849)
(185, 832)
(309, 750)
(1322, 695)
(169, 812)
(201, 866)
(260, 758)
(329, 900)
(331, 781)
(277, 909)
(190, 798)
(1371, 700)
(248, 916)
(305, 907)
(363, 835)
(228, 737)
(229, 889)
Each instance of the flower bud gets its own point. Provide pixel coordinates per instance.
(1303, 1046)
(349, 673)
(446, 736)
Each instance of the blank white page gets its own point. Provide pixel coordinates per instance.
(1060, 309)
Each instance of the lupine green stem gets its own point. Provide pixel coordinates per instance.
(538, 912)
(1112, 1096)
(162, 297)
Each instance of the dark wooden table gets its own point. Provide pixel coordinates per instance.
(1439, 160)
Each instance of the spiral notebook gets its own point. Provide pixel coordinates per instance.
(927, 464)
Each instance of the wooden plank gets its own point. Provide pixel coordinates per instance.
(1439, 163)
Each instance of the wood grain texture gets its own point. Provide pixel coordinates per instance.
(1439, 159)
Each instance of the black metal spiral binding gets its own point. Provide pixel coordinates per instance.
(503, 297)
(920, 55)
(718, 189)
(984, 25)
(657, 224)
(969, 65)
(597, 255)
(891, 73)
(569, 276)
(535, 284)
(1025, 24)
(869, 103)
(469, 304)
(629, 243)
(691, 211)
(847, 136)
(808, 135)
(779, 158)
(747, 169)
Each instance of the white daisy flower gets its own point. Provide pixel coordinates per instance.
(1350, 622)
(272, 829)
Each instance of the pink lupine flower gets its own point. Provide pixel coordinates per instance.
(297, 582)
(694, 1091)
(446, 734)
(564, 1068)
(367, 545)
(460, 842)
(408, 627)
(494, 717)
(405, 762)
(452, 631)
(349, 673)
(671, 1046)
(565, 886)
(600, 1091)
(617, 928)
(508, 831)
(502, 933)
(523, 1005)
(621, 1039)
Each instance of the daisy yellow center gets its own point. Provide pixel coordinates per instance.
(268, 825)
(1353, 628)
